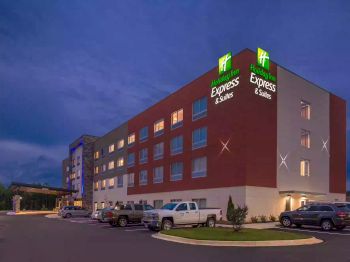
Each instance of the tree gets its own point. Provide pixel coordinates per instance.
(239, 215)
(5, 198)
(230, 208)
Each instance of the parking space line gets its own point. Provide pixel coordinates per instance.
(317, 232)
(136, 229)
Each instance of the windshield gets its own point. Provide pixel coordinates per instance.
(169, 206)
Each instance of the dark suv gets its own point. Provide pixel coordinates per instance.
(325, 215)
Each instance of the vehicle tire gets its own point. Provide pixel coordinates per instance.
(68, 215)
(167, 224)
(211, 222)
(298, 225)
(340, 227)
(286, 222)
(326, 225)
(122, 221)
(113, 223)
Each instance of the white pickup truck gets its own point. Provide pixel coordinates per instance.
(181, 213)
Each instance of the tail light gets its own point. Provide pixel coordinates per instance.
(109, 214)
(341, 214)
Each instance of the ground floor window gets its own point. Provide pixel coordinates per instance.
(201, 202)
(103, 205)
(288, 203)
(95, 206)
(157, 204)
(175, 200)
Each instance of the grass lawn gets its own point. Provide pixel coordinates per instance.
(227, 234)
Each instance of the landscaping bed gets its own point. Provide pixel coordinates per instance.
(228, 234)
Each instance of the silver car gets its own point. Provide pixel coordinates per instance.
(73, 211)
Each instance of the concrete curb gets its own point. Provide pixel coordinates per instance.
(270, 243)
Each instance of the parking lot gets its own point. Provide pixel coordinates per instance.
(37, 238)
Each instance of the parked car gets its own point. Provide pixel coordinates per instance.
(73, 211)
(122, 215)
(181, 213)
(95, 214)
(102, 215)
(325, 215)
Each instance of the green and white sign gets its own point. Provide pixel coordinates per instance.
(225, 63)
(263, 59)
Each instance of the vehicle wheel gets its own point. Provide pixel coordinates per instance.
(326, 225)
(286, 222)
(68, 215)
(113, 223)
(340, 227)
(122, 221)
(211, 222)
(298, 225)
(167, 224)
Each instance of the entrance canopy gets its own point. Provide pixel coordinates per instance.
(32, 188)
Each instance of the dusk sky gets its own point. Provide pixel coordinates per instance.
(84, 67)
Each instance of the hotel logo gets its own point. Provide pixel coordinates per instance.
(225, 63)
(263, 59)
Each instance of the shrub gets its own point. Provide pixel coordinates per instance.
(230, 208)
(239, 215)
(254, 219)
(263, 218)
(273, 218)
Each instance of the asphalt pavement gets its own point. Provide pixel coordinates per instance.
(37, 238)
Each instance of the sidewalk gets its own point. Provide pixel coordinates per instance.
(30, 212)
(254, 225)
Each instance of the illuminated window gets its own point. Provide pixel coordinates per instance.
(131, 179)
(103, 185)
(111, 165)
(143, 156)
(97, 155)
(158, 151)
(143, 177)
(176, 171)
(199, 138)
(159, 127)
(177, 118)
(104, 168)
(111, 148)
(67, 169)
(176, 145)
(96, 185)
(305, 138)
(120, 181)
(199, 167)
(67, 179)
(158, 175)
(144, 134)
(78, 173)
(111, 182)
(120, 162)
(96, 170)
(120, 144)
(199, 108)
(131, 139)
(131, 159)
(305, 110)
(103, 205)
(305, 167)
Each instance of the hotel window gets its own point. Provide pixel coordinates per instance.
(97, 155)
(131, 159)
(78, 173)
(102, 152)
(177, 118)
(158, 175)
(158, 204)
(67, 179)
(111, 165)
(131, 179)
(120, 181)
(67, 169)
(131, 139)
(78, 160)
(305, 138)
(199, 167)
(305, 167)
(159, 127)
(111, 183)
(143, 134)
(201, 202)
(95, 206)
(176, 171)
(120, 144)
(103, 185)
(104, 168)
(111, 148)
(176, 145)
(103, 205)
(199, 108)
(120, 162)
(143, 156)
(143, 177)
(96, 170)
(96, 185)
(305, 110)
(199, 138)
(158, 151)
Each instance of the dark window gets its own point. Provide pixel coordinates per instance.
(138, 207)
(193, 206)
(326, 208)
(182, 207)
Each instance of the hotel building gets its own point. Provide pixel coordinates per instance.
(255, 131)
